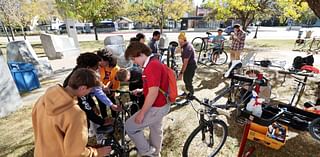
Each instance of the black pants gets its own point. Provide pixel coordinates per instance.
(188, 77)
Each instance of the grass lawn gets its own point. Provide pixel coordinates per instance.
(272, 43)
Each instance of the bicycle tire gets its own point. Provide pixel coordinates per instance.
(198, 44)
(314, 129)
(222, 57)
(198, 150)
(299, 46)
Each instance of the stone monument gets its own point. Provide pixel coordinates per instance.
(10, 99)
(22, 51)
(117, 46)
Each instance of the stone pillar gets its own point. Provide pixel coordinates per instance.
(72, 32)
(10, 99)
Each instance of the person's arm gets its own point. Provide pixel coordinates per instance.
(184, 65)
(76, 138)
(87, 104)
(98, 92)
(148, 102)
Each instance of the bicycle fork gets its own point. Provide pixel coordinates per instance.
(208, 127)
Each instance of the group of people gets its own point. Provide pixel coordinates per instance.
(62, 116)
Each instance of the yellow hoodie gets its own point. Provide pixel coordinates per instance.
(60, 126)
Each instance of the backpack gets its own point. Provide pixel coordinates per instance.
(172, 93)
(309, 60)
(298, 62)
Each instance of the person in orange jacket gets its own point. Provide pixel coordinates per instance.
(108, 69)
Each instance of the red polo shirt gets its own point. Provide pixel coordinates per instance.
(155, 75)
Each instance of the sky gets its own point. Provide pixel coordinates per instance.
(197, 2)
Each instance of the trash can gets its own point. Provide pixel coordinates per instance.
(24, 75)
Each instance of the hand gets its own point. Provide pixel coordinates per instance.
(139, 118)
(108, 121)
(178, 50)
(117, 108)
(137, 92)
(180, 76)
(104, 151)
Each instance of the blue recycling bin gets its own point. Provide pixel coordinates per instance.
(24, 75)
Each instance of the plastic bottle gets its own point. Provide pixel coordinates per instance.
(257, 108)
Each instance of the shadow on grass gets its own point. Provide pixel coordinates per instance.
(24, 144)
(172, 140)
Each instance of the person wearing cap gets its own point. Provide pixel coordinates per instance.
(189, 65)
(237, 45)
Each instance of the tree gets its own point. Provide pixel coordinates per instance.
(244, 10)
(156, 12)
(90, 10)
(291, 9)
(21, 12)
(8, 9)
(315, 6)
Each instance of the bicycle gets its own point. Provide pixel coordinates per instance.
(307, 44)
(120, 147)
(170, 58)
(300, 86)
(211, 128)
(210, 54)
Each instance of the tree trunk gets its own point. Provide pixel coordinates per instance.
(161, 19)
(95, 29)
(5, 30)
(24, 33)
(315, 6)
(12, 33)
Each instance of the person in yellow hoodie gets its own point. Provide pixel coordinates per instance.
(59, 124)
(108, 69)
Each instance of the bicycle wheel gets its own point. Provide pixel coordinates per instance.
(198, 44)
(314, 129)
(206, 140)
(219, 57)
(299, 46)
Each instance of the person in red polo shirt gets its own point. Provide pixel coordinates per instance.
(155, 107)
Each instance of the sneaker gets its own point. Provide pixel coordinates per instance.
(184, 94)
(150, 152)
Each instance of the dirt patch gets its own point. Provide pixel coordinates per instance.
(17, 136)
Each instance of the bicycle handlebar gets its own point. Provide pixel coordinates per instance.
(296, 73)
(248, 79)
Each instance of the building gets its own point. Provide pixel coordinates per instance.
(124, 23)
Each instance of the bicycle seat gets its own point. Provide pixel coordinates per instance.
(105, 129)
(235, 65)
(208, 33)
(173, 44)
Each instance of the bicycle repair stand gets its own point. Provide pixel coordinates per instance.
(247, 128)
